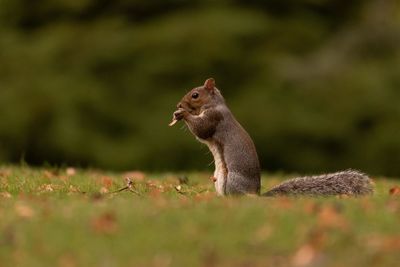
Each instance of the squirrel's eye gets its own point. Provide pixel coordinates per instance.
(195, 95)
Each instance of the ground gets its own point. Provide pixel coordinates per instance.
(70, 217)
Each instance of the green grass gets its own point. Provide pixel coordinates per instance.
(51, 218)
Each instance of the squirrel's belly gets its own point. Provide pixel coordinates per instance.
(221, 172)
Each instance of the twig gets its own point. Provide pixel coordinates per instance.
(178, 189)
(130, 186)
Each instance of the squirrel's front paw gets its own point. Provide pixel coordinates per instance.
(177, 116)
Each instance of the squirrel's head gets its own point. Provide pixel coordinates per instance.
(201, 97)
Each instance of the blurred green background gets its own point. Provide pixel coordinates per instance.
(94, 82)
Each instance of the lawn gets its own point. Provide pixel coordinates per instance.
(70, 217)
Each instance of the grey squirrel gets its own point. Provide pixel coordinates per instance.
(237, 168)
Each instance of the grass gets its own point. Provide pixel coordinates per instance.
(68, 217)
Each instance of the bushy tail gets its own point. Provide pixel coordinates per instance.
(347, 182)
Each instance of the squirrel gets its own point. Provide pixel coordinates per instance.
(237, 168)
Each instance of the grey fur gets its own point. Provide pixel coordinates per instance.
(233, 148)
(349, 182)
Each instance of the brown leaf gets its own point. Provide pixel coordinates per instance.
(304, 256)
(5, 195)
(392, 205)
(384, 243)
(70, 171)
(262, 233)
(206, 196)
(106, 223)
(395, 191)
(24, 211)
(49, 174)
(73, 189)
(284, 202)
(155, 192)
(330, 217)
(103, 190)
(310, 207)
(5, 172)
(106, 181)
(392, 243)
(46, 188)
(67, 261)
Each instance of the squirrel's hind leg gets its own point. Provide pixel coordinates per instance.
(237, 184)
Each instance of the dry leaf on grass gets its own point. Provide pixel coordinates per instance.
(205, 196)
(304, 256)
(262, 233)
(46, 188)
(310, 207)
(395, 191)
(73, 189)
(329, 216)
(50, 174)
(70, 171)
(5, 172)
(106, 223)
(106, 181)
(5, 195)
(24, 211)
(103, 190)
(392, 206)
(67, 261)
(284, 202)
(384, 243)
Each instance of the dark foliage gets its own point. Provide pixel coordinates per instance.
(316, 83)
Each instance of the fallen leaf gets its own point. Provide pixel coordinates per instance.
(383, 243)
(73, 189)
(318, 238)
(103, 190)
(46, 188)
(392, 205)
(106, 182)
(5, 172)
(106, 223)
(330, 217)
(392, 243)
(284, 202)
(262, 233)
(67, 261)
(96, 197)
(24, 211)
(395, 191)
(205, 196)
(155, 192)
(310, 207)
(304, 256)
(49, 174)
(5, 195)
(71, 171)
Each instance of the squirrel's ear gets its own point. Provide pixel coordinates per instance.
(209, 84)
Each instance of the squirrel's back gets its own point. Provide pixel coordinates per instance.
(349, 182)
